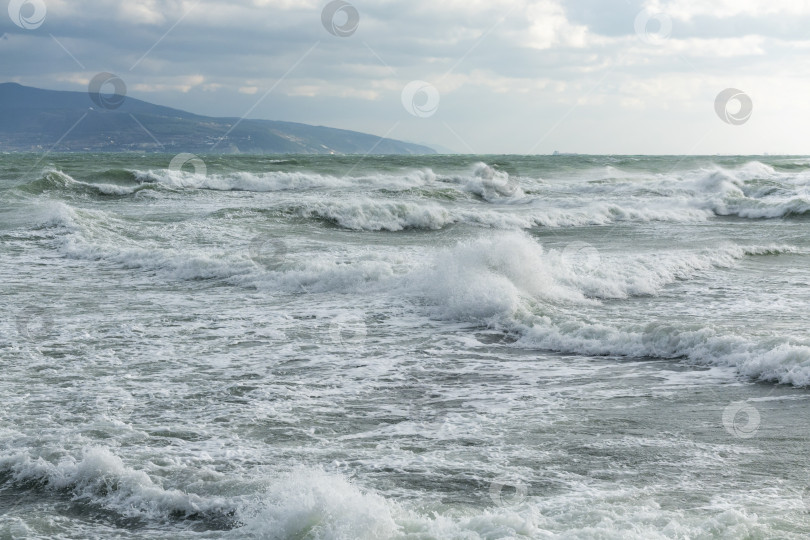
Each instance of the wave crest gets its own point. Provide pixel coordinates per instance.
(101, 478)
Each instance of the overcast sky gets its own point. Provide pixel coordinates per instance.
(510, 76)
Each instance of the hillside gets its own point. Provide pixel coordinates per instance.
(33, 119)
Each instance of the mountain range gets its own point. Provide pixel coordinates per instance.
(36, 120)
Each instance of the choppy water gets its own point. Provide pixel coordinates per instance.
(404, 347)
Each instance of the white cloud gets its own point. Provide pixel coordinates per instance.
(689, 9)
(751, 45)
(550, 27)
(513, 61)
(142, 12)
(178, 84)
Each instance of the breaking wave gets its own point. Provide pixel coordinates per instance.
(506, 280)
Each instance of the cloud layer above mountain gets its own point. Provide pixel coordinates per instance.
(514, 76)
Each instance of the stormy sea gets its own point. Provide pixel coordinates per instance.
(412, 347)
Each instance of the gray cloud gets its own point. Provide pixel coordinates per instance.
(517, 76)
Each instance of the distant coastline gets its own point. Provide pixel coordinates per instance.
(37, 120)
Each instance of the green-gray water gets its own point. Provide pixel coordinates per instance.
(404, 347)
